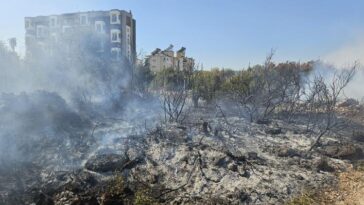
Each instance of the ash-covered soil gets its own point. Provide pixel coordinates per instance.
(210, 159)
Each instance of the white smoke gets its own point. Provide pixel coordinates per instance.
(344, 58)
(347, 54)
(54, 99)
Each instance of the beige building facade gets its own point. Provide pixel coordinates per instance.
(163, 59)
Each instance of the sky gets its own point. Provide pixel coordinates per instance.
(222, 33)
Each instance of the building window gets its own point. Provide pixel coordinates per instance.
(27, 24)
(99, 26)
(114, 18)
(115, 35)
(41, 31)
(116, 53)
(128, 21)
(67, 29)
(83, 19)
(53, 21)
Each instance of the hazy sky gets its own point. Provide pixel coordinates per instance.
(224, 33)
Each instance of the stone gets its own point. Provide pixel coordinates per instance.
(263, 121)
(221, 162)
(253, 156)
(288, 152)
(358, 136)
(348, 151)
(273, 131)
(323, 165)
(106, 162)
(233, 167)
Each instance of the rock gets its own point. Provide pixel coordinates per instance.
(358, 136)
(263, 121)
(323, 165)
(359, 165)
(273, 131)
(297, 176)
(244, 172)
(307, 164)
(106, 162)
(288, 152)
(348, 151)
(213, 174)
(43, 199)
(233, 167)
(244, 198)
(253, 156)
(221, 162)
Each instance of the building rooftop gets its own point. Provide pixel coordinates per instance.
(83, 12)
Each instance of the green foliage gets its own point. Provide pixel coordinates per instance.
(303, 199)
(117, 186)
(239, 83)
(143, 197)
(208, 84)
(118, 191)
(170, 79)
(267, 84)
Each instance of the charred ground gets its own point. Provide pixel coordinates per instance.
(259, 136)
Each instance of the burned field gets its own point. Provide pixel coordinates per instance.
(263, 135)
(213, 157)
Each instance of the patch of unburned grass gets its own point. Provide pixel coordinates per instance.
(303, 199)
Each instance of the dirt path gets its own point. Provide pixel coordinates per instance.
(350, 190)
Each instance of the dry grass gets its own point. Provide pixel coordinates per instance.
(143, 197)
(303, 199)
(350, 191)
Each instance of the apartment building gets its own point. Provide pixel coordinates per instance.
(162, 59)
(110, 33)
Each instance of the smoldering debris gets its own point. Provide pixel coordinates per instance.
(39, 121)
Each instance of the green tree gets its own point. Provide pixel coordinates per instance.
(208, 84)
(170, 79)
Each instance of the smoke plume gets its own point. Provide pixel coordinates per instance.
(345, 57)
(51, 101)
